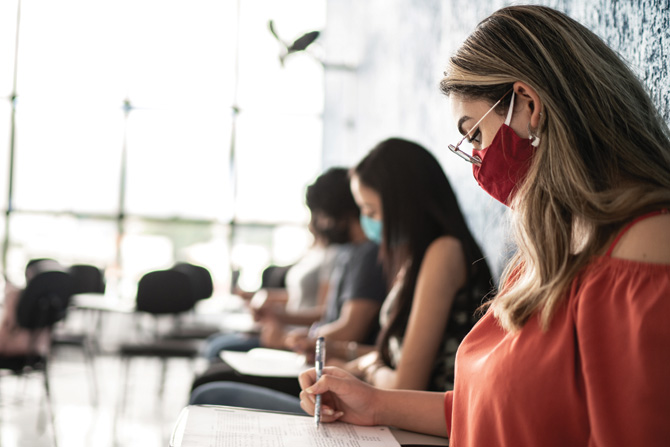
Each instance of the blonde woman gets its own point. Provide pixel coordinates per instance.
(575, 348)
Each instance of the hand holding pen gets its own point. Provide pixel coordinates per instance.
(345, 398)
(319, 360)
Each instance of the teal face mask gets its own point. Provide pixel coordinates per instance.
(372, 228)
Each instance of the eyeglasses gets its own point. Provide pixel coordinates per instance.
(464, 155)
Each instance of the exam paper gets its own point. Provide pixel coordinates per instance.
(265, 362)
(235, 427)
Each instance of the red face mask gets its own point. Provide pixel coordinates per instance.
(505, 162)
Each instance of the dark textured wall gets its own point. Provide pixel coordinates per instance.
(384, 60)
(640, 31)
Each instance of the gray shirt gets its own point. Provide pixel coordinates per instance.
(357, 274)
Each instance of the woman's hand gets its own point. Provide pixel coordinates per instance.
(370, 364)
(273, 335)
(299, 341)
(263, 309)
(339, 363)
(344, 397)
(347, 399)
(359, 366)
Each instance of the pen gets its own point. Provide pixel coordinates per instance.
(319, 359)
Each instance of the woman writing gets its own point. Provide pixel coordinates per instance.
(574, 348)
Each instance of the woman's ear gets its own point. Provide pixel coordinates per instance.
(530, 102)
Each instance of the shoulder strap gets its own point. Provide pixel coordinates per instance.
(630, 225)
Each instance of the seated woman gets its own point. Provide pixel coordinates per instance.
(15, 340)
(303, 291)
(439, 277)
(315, 281)
(356, 287)
(573, 350)
(439, 274)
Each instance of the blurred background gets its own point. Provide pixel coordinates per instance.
(136, 134)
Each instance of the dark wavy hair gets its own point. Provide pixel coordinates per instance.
(418, 206)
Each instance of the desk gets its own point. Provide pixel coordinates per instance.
(194, 417)
(101, 302)
(94, 305)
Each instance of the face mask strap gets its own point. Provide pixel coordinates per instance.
(535, 140)
(509, 112)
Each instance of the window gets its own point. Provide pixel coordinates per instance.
(155, 131)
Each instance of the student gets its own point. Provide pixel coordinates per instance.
(440, 276)
(304, 294)
(14, 339)
(304, 285)
(18, 341)
(574, 348)
(356, 285)
(355, 293)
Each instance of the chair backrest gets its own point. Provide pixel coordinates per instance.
(164, 292)
(37, 265)
(201, 279)
(46, 297)
(87, 278)
(274, 276)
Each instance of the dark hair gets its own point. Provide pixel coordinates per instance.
(330, 196)
(418, 206)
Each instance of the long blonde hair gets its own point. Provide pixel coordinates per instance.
(604, 155)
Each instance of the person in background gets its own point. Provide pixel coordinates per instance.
(304, 291)
(303, 285)
(19, 341)
(14, 339)
(334, 224)
(440, 278)
(573, 350)
(355, 292)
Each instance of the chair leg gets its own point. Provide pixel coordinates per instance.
(125, 365)
(93, 381)
(47, 394)
(161, 383)
(23, 378)
(120, 400)
(94, 329)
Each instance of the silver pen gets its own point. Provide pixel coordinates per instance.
(319, 360)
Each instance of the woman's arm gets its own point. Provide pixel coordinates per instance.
(622, 336)
(347, 399)
(356, 317)
(353, 324)
(270, 304)
(442, 274)
(302, 317)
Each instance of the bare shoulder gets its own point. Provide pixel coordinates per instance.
(444, 259)
(443, 270)
(647, 241)
(445, 249)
